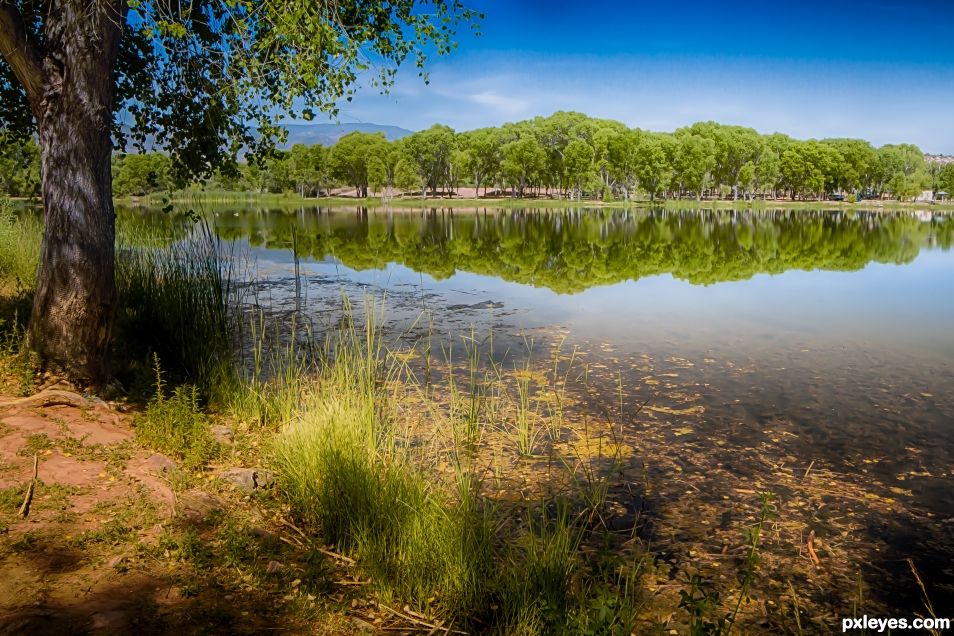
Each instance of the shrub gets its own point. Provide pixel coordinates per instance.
(176, 426)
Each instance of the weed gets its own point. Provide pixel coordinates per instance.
(175, 424)
(35, 445)
(26, 542)
(11, 498)
(113, 532)
(342, 476)
(700, 599)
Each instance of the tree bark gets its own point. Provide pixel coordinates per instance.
(75, 296)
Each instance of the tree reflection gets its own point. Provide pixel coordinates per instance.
(568, 251)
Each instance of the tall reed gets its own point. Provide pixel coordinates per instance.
(176, 302)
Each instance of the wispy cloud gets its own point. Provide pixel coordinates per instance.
(506, 106)
(880, 102)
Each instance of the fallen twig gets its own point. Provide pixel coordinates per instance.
(335, 555)
(417, 621)
(28, 498)
(808, 470)
(811, 548)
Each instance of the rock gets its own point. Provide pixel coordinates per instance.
(222, 434)
(249, 479)
(197, 505)
(262, 533)
(364, 626)
(160, 463)
(108, 620)
(274, 567)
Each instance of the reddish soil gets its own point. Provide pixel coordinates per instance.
(88, 473)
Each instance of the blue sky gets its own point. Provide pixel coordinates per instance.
(881, 70)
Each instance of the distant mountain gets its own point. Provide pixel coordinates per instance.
(329, 134)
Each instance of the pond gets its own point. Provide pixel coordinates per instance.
(809, 353)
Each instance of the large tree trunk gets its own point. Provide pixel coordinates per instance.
(76, 293)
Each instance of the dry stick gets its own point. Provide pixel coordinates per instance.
(810, 544)
(415, 620)
(808, 470)
(335, 555)
(25, 508)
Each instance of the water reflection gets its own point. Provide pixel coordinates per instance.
(570, 251)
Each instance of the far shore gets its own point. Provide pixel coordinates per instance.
(187, 197)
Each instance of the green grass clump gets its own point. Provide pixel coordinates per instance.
(377, 506)
(11, 498)
(20, 237)
(175, 304)
(175, 425)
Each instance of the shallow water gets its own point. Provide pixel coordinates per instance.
(822, 341)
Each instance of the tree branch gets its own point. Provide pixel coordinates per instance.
(19, 51)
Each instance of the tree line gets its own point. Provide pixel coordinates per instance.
(565, 155)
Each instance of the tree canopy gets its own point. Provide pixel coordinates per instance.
(206, 80)
(568, 154)
(203, 81)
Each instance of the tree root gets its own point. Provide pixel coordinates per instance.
(49, 397)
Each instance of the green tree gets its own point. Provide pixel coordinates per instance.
(734, 146)
(203, 81)
(902, 169)
(801, 171)
(430, 152)
(483, 155)
(457, 168)
(652, 164)
(19, 166)
(622, 160)
(348, 159)
(693, 162)
(523, 163)
(307, 168)
(860, 163)
(578, 163)
(406, 177)
(141, 174)
(747, 179)
(946, 179)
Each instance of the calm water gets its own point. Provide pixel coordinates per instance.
(823, 341)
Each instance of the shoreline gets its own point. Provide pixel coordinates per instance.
(449, 203)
